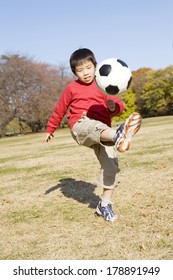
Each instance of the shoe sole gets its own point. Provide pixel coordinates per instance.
(131, 127)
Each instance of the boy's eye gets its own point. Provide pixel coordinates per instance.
(78, 70)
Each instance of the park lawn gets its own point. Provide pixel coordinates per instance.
(48, 198)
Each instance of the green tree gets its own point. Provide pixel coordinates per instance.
(128, 98)
(157, 95)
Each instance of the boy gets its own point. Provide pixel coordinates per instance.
(89, 120)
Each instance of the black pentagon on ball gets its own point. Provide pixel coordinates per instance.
(112, 90)
(105, 70)
(122, 62)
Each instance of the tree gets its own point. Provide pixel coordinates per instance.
(28, 91)
(156, 97)
(128, 98)
(7, 108)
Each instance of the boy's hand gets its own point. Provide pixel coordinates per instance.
(48, 137)
(111, 105)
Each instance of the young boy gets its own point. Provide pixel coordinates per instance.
(89, 120)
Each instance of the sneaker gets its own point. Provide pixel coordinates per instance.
(125, 132)
(106, 212)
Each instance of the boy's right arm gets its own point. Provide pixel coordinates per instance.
(58, 113)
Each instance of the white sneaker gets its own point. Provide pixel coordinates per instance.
(106, 212)
(126, 130)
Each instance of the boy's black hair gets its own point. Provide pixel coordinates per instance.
(79, 56)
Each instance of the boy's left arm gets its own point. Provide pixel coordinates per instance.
(115, 105)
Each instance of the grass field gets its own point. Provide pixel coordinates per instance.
(48, 198)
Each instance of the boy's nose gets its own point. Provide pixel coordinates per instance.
(85, 72)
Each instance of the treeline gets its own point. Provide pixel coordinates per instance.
(154, 91)
(29, 91)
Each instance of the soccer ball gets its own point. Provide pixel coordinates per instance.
(113, 76)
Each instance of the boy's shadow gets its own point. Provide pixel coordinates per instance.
(78, 190)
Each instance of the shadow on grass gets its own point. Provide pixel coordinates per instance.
(81, 191)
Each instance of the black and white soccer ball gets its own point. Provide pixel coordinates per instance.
(113, 76)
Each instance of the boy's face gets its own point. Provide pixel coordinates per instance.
(85, 72)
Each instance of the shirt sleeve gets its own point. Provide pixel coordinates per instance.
(59, 111)
(118, 103)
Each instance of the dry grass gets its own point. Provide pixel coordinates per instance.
(48, 198)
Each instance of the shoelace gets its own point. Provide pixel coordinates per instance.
(108, 208)
(119, 131)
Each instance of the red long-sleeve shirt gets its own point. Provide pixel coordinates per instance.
(81, 98)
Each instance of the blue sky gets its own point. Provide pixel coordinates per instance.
(138, 32)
